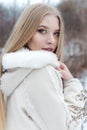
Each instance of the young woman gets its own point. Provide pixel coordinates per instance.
(39, 91)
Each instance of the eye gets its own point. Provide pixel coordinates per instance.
(42, 31)
(57, 33)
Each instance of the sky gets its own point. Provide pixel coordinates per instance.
(24, 2)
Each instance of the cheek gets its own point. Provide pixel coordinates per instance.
(38, 40)
(35, 43)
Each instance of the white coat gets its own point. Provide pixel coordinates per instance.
(36, 97)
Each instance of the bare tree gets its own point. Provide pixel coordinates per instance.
(8, 17)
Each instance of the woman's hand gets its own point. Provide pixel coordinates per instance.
(66, 74)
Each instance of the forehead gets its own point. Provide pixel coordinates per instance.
(50, 21)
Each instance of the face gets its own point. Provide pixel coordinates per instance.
(47, 35)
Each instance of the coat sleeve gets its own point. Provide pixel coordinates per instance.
(42, 104)
(75, 100)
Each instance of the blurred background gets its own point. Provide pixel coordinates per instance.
(74, 14)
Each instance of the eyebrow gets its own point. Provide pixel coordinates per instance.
(48, 28)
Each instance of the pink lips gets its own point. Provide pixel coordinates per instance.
(48, 49)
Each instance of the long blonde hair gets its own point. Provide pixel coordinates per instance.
(24, 30)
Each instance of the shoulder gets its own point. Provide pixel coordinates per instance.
(44, 73)
(11, 79)
(43, 79)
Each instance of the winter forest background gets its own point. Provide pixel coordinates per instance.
(74, 14)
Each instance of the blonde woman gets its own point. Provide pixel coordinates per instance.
(39, 91)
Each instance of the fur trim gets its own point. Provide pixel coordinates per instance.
(29, 59)
(26, 59)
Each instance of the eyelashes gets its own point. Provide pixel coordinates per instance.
(57, 33)
(44, 31)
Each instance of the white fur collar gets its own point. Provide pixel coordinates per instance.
(29, 59)
(26, 59)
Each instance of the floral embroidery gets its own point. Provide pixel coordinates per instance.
(80, 96)
(78, 113)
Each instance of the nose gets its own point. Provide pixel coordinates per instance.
(50, 39)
